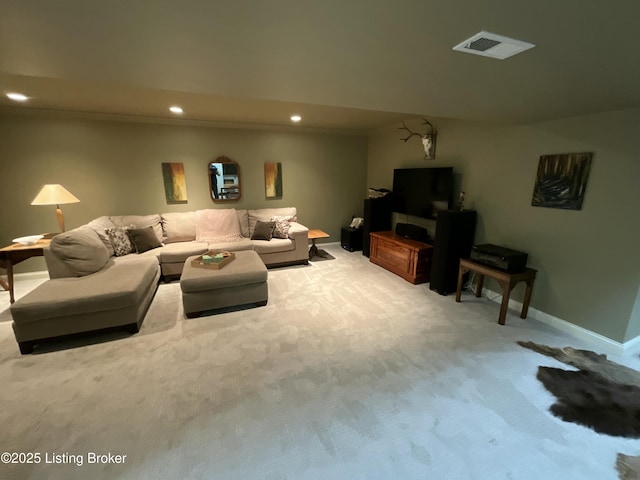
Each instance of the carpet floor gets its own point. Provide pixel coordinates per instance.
(349, 372)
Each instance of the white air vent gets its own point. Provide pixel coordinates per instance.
(491, 45)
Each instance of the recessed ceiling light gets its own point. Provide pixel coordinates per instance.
(176, 110)
(18, 97)
(296, 118)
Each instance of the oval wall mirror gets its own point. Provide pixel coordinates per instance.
(224, 180)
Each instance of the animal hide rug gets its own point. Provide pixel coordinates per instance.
(602, 395)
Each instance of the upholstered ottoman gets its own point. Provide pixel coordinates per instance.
(242, 281)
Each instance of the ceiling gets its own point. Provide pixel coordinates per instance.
(353, 65)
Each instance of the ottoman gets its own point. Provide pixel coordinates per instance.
(242, 281)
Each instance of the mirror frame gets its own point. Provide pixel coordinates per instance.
(224, 160)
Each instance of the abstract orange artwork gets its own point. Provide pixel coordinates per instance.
(175, 183)
(273, 180)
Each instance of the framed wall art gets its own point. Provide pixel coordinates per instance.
(273, 179)
(561, 180)
(175, 183)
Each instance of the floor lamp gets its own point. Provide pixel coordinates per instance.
(57, 195)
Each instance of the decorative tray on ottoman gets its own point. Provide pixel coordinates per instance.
(213, 260)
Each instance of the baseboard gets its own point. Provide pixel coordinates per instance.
(632, 347)
(328, 244)
(601, 343)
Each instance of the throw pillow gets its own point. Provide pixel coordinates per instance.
(120, 241)
(143, 239)
(81, 250)
(263, 231)
(283, 224)
(139, 221)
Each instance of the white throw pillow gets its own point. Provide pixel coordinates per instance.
(283, 224)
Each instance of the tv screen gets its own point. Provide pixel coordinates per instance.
(422, 192)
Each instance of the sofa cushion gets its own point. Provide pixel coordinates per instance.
(178, 252)
(263, 231)
(118, 285)
(81, 250)
(120, 240)
(139, 221)
(243, 218)
(235, 246)
(178, 227)
(100, 226)
(153, 253)
(143, 239)
(217, 225)
(274, 246)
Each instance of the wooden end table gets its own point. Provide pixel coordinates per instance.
(313, 235)
(16, 253)
(506, 280)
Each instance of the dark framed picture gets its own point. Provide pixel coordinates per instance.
(561, 180)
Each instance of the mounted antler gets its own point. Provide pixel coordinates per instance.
(428, 139)
(411, 134)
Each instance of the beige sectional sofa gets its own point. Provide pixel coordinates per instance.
(95, 283)
(180, 238)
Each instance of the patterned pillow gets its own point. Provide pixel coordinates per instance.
(283, 224)
(120, 240)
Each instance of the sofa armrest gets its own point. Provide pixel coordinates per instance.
(56, 267)
(297, 230)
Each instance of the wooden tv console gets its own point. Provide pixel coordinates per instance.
(407, 258)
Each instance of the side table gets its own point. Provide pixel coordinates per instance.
(313, 235)
(506, 280)
(16, 253)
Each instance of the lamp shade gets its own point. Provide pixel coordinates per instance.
(54, 194)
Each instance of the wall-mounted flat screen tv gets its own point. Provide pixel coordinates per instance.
(422, 192)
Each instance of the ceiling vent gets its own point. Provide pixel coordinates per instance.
(491, 45)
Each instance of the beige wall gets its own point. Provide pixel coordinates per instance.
(588, 261)
(113, 167)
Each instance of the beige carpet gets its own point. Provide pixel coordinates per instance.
(348, 373)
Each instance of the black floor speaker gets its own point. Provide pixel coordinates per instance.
(377, 218)
(351, 238)
(454, 238)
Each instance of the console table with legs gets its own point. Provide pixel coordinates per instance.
(14, 254)
(506, 280)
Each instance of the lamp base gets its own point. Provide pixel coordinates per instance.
(60, 218)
